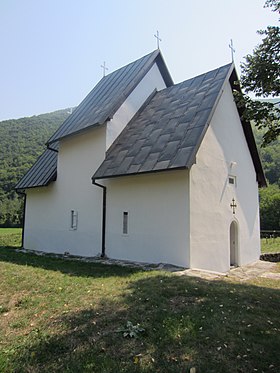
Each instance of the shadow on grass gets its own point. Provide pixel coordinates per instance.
(66, 266)
(214, 326)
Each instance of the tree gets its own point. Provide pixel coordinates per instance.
(260, 75)
(270, 207)
(270, 157)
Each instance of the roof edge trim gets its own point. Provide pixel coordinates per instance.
(139, 173)
(154, 58)
(219, 95)
(52, 179)
(248, 132)
(78, 132)
(164, 70)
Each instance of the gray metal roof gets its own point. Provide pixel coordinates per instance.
(42, 172)
(108, 95)
(168, 131)
(165, 134)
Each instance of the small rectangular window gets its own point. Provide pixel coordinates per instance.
(232, 180)
(74, 219)
(125, 222)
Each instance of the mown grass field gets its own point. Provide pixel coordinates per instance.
(270, 245)
(10, 237)
(65, 316)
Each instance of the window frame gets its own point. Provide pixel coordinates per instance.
(233, 178)
(73, 220)
(125, 223)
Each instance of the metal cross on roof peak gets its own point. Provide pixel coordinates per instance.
(104, 68)
(232, 50)
(158, 39)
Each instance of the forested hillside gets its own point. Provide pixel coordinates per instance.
(21, 142)
(270, 196)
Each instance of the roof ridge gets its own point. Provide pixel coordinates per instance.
(211, 113)
(131, 63)
(108, 94)
(199, 75)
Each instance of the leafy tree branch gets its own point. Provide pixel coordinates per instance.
(260, 75)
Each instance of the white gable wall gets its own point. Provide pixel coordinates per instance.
(151, 81)
(48, 209)
(158, 218)
(211, 194)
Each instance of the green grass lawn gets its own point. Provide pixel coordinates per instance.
(270, 245)
(65, 316)
(10, 237)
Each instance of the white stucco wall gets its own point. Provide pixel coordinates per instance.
(48, 209)
(211, 194)
(158, 223)
(151, 81)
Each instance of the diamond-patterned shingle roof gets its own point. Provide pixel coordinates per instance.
(167, 132)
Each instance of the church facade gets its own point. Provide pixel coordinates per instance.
(150, 171)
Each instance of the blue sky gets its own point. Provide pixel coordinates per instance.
(51, 50)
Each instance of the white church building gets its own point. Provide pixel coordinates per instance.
(151, 171)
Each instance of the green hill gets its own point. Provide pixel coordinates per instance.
(21, 142)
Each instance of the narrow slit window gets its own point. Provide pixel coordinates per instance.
(125, 222)
(74, 219)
